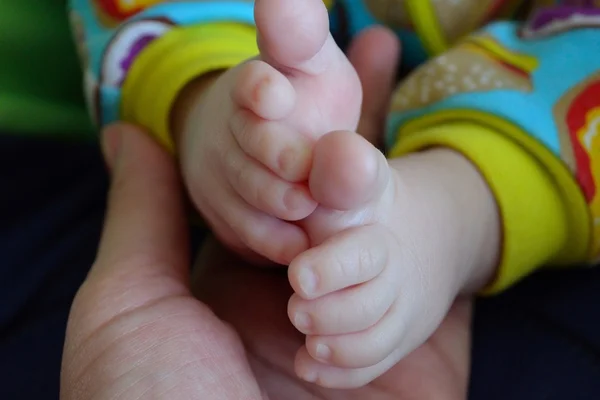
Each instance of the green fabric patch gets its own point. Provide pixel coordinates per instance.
(40, 78)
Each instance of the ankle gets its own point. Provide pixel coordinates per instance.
(459, 201)
(478, 221)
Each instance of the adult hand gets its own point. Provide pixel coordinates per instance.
(375, 54)
(136, 330)
(254, 303)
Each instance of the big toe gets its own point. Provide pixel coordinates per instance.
(347, 171)
(292, 34)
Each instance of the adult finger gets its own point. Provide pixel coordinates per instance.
(145, 227)
(375, 54)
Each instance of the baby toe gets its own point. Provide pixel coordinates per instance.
(264, 91)
(279, 147)
(361, 349)
(333, 377)
(346, 311)
(349, 258)
(265, 191)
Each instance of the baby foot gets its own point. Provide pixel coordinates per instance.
(301, 87)
(397, 244)
(275, 107)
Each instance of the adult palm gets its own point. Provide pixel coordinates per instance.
(136, 331)
(253, 302)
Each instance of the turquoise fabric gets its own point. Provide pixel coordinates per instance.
(109, 48)
(564, 61)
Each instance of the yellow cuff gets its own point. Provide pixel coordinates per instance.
(169, 63)
(427, 26)
(535, 217)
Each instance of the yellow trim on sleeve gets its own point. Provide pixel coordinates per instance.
(491, 48)
(427, 26)
(541, 226)
(169, 63)
(580, 224)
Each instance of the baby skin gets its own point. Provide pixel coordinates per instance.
(377, 249)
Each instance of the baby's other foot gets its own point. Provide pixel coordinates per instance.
(301, 87)
(397, 244)
(294, 38)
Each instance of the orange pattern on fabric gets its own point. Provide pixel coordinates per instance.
(583, 120)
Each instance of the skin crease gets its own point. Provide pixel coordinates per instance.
(136, 331)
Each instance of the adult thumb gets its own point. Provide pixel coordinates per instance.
(375, 54)
(146, 214)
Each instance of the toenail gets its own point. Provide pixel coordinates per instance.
(260, 88)
(295, 199)
(310, 376)
(323, 352)
(303, 322)
(308, 281)
(287, 160)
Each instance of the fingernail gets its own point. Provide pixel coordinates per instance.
(111, 144)
(323, 353)
(303, 322)
(308, 281)
(296, 199)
